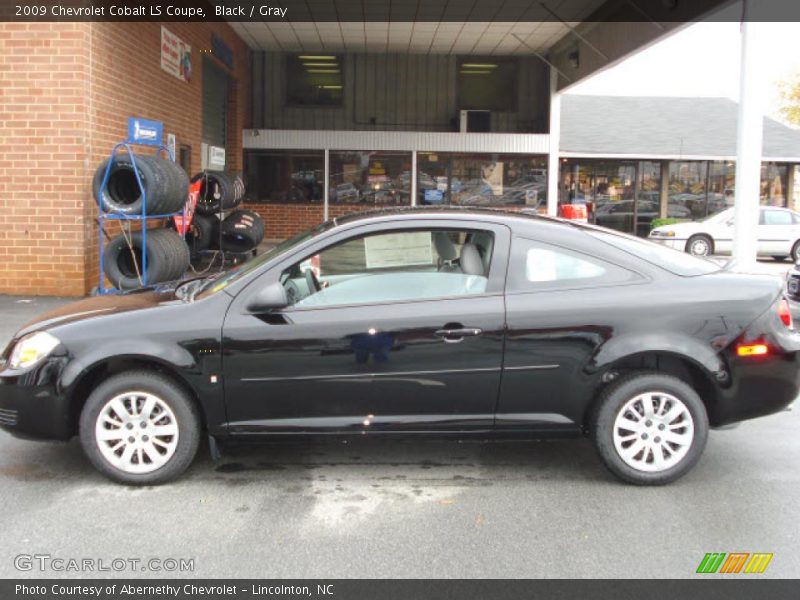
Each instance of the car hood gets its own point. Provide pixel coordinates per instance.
(99, 306)
(681, 229)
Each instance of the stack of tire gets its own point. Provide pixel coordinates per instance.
(166, 188)
(217, 224)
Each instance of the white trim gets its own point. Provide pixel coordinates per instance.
(326, 190)
(413, 178)
(553, 161)
(612, 155)
(430, 141)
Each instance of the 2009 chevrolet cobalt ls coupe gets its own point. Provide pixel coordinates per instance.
(412, 322)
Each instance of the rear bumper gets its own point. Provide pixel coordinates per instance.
(31, 406)
(759, 385)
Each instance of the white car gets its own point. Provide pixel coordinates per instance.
(778, 234)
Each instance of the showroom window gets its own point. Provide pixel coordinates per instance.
(400, 266)
(773, 184)
(282, 176)
(314, 80)
(482, 179)
(487, 83)
(721, 185)
(687, 188)
(377, 178)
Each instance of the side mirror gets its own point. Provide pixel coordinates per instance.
(269, 298)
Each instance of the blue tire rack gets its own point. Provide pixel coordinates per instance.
(142, 217)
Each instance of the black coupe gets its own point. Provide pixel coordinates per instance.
(414, 322)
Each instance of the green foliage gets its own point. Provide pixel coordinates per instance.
(790, 100)
(666, 221)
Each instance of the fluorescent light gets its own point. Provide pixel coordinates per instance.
(475, 72)
(323, 71)
(308, 57)
(317, 64)
(478, 66)
(331, 87)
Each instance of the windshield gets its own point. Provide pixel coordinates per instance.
(674, 261)
(719, 217)
(224, 279)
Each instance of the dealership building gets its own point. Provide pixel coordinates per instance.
(328, 116)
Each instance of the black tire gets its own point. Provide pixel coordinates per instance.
(242, 231)
(796, 252)
(165, 185)
(616, 396)
(122, 262)
(779, 258)
(203, 232)
(175, 252)
(167, 258)
(186, 416)
(219, 191)
(701, 240)
(180, 188)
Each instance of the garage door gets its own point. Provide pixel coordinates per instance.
(215, 113)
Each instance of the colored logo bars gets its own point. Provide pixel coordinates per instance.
(734, 562)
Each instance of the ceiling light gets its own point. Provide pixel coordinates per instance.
(478, 66)
(475, 72)
(308, 57)
(330, 71)
(318, 64)
(331, 87)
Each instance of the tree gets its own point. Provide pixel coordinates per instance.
(790, 99)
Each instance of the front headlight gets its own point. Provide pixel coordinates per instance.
(31, 349)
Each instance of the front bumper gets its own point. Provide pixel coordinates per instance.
(31, 405)
(674, 243)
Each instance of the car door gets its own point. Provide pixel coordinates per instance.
(775, 232)
(396, 339)
(560, 308)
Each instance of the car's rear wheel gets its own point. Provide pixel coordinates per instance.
(700, 245)
(140, 427)
(650, 428)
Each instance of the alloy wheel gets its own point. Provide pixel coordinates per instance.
(653, 432)
(136, 432)
(699, 247)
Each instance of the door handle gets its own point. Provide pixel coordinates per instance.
(453, 336)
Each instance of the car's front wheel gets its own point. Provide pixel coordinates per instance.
(140, 427)
(649, 428)
(700, 245)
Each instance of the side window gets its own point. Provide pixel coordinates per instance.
(776, 217)
(538, 266)
(396, 266)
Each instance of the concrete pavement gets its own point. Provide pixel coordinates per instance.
(407, 509)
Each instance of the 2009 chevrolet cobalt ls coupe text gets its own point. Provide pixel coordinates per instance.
(413, 322)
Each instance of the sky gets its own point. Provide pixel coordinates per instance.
(702, 59)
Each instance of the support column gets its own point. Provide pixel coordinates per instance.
(663, 205)
(748, 147)
(413, 178)
(327, 188)
(553, 170)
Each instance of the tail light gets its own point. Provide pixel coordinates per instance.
(752, 350)
(785, 313)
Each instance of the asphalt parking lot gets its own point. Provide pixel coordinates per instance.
(407, 509)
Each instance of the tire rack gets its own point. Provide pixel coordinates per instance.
(143, 217)
(235, 256)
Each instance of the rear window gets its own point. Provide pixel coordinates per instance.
(674, 261)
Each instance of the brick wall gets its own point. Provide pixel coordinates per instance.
(43, 112)
(285, 220)
(66, 91)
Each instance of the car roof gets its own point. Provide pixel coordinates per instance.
(476, 213)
